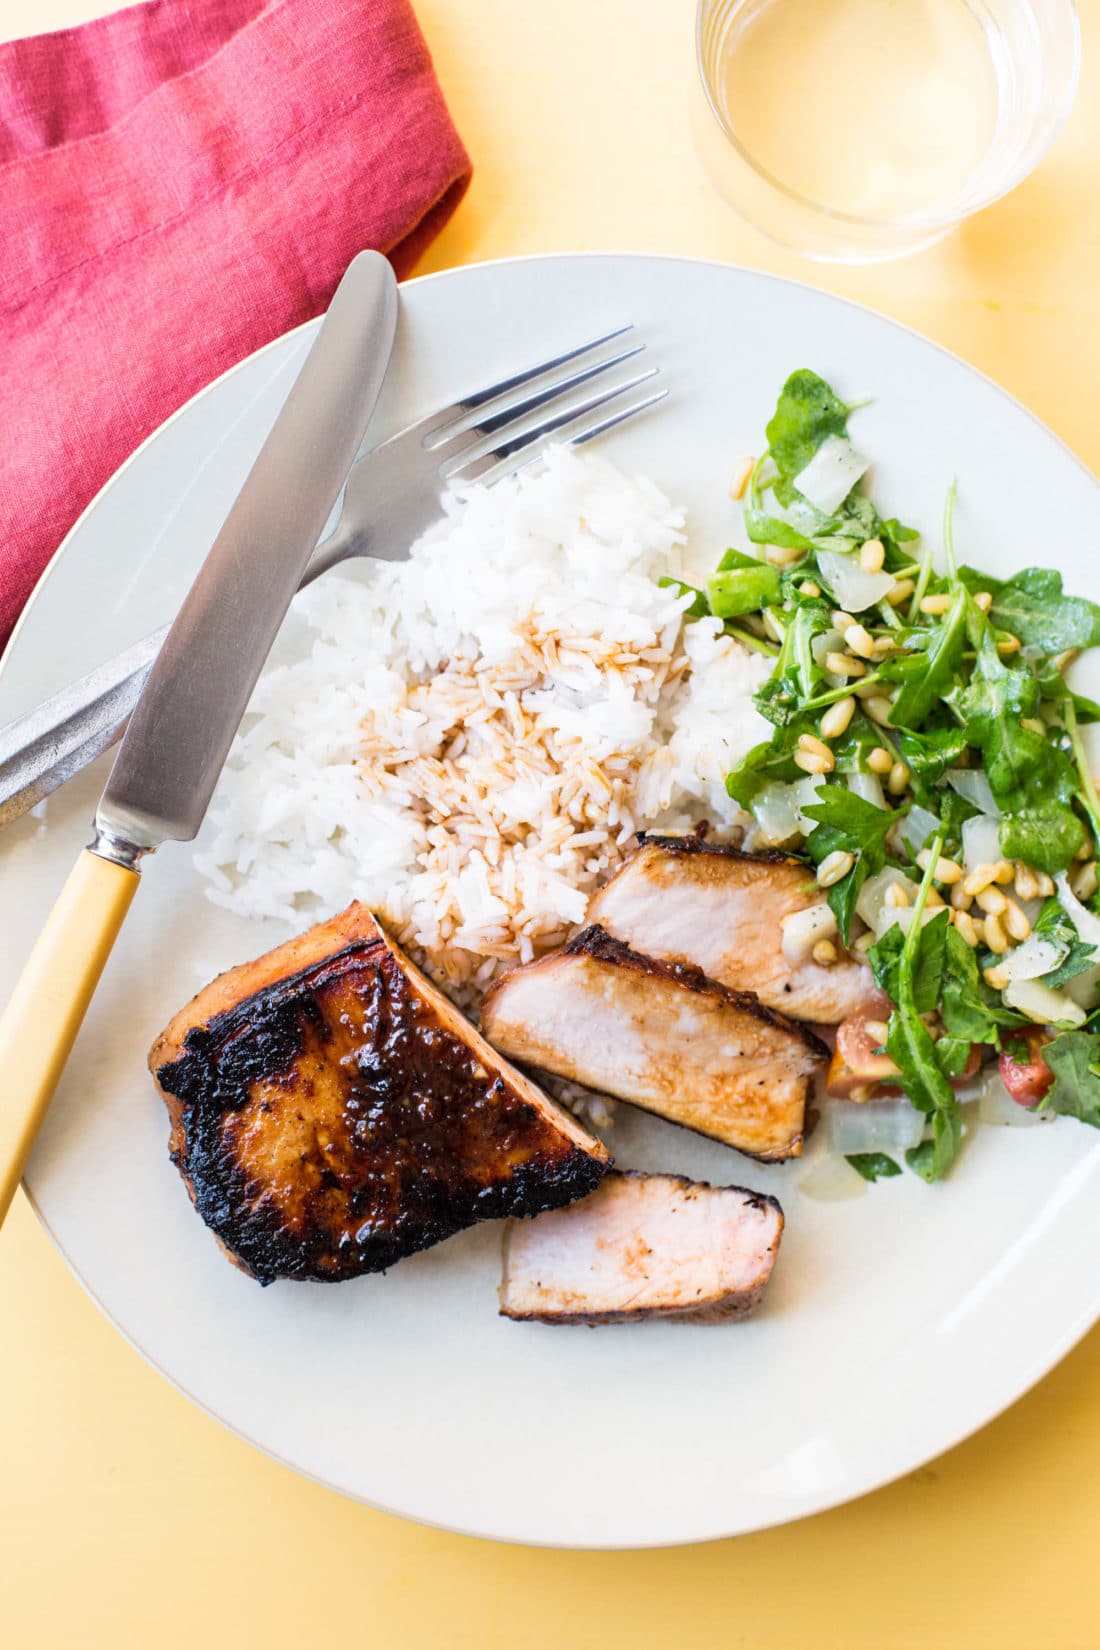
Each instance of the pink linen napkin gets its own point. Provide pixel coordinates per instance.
(179, 184)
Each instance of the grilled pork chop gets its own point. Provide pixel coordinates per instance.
(332, 1112)
(662, 1036)
(643, 1246)
(683, 900)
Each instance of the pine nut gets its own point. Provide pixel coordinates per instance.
(977, 879)
(1008, 644)
(878, 708)
(824, 952)
(813, 746)
(842, 621)
(900, 592)
(934, 606)
(983, 600)
(779, 555)
(898, 779)
(836, 719)
(995, 937)
(964, 922)
(1033, 725)
(995, 976)
(948, 871)
(1044, 884)
(878, 1029)
(933, 901)
(833, 867)
(809, 588)
(813, 764)
(842, 664)
(879, 760)
(872, 556)
(883, 646)
(992, 901)
(1005, 874)
(1016, 924)
(896, 897)
(741, 476)
(1084, 881)
(860, 641)
(864, 944)
(979, 928)
(1026, 885)
(1084, 851)
(960, 899)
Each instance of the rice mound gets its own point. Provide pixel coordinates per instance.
(468, 739)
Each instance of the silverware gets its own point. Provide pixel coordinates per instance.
(189, 709)
(392, 494)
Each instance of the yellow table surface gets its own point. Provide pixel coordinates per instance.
(127, 1517)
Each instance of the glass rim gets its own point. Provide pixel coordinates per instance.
(910, 221)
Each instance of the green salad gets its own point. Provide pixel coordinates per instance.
(926, 760)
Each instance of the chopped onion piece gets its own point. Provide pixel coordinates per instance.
(854, 588)
(981, 839)
(872, 896)
(919, 826)
(802, 929)
(1085, 921)
(893, 917)
(777, 818)
(1030, 961)
(1083, 987)
(806, 793)
(829, 641)
(831, 474)
(869, 787)
(996, 1105)
(1044, 1006)
(873, 1126)
(973, 786)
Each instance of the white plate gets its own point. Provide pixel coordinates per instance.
(897, 1322)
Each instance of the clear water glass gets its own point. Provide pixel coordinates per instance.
(860, 130)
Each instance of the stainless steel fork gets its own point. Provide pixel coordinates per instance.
(392, 494)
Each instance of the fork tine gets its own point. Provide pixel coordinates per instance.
(526, 449)
(469, 403)
(466, 433)
(502, 449)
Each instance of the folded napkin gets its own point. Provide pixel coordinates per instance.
(179, 184)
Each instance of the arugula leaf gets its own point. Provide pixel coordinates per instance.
(779, 700)
(1031, 605)
(945, 649)
(932, 1158)
(874, 1165)
(807, 413)
(1053, 923)
(1074, 1058)
(952, 1055)
(773, 759)
(851, 825)
(742, 590)
(700, 607)
(969, 1008)
(1047, 836)
(928, 959)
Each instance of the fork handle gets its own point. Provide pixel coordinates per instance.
(65, 733)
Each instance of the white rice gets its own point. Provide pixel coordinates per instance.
(468, 740)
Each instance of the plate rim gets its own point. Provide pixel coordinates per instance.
(1036, 1369)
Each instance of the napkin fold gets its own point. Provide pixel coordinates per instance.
(179, 184)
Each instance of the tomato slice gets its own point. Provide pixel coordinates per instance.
(857, 1065)
(1027, 1081)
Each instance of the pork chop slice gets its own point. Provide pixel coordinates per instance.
(643, 1246)
(662, 1036)
(332, 1112)
(682, 899)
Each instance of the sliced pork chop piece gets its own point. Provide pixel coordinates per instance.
(683, 900)
(662, 1036)
(643, 1246)
(332, 1112)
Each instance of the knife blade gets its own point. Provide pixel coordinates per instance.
(197, 691)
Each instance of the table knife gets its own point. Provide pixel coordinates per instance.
(197, 692)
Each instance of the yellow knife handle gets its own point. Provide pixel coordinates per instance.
(40, 1023)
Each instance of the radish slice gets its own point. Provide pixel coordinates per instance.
(854, 588)
(1030, 961)
(1086, 923)
(1041, 1004)
(973, 786)
(831, 474)
(981, 842)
